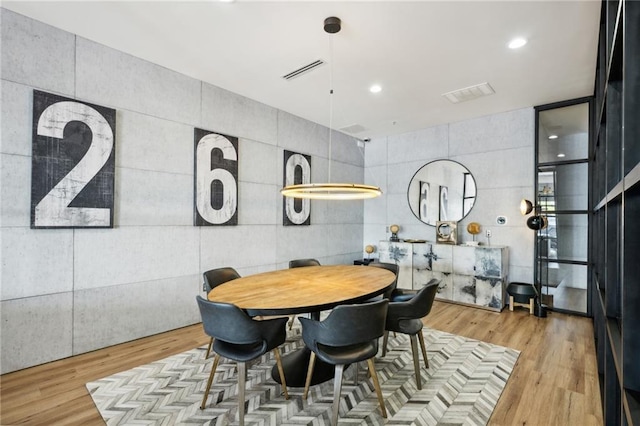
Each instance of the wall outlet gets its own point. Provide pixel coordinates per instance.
(488, 233)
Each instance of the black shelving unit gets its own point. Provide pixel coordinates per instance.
(615, 205)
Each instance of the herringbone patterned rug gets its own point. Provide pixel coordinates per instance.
(462, 386)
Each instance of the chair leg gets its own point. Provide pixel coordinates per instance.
(337, 389)
(293, 318)
(213, 371)
(242, 371)
(209, 348)
(424, 349)
(312, 362)
(416, 362)
(376, 384)
(276, 351)
(384, 343)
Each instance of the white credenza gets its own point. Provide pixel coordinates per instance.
(471, 275)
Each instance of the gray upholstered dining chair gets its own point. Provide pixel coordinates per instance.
(394, 294)
(406, 317)
(242, 339)
(213, 278)
(335, 343)
(300, 263)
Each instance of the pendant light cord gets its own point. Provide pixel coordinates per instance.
(330, 101)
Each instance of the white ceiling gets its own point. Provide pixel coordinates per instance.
(415, 50)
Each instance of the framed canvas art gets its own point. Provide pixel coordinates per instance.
(216, 179)
(297, 171)
(72, 163)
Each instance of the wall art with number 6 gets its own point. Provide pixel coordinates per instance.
(73, 163)
(297, 171)
(216, 179)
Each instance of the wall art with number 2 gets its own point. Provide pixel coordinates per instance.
(73, 163)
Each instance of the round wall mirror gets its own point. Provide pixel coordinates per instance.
(441, 190)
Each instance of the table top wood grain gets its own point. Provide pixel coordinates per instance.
(306, 289)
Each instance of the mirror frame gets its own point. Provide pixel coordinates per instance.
(416, 211)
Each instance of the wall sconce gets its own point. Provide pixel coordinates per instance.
(526, 207)
(536, 222)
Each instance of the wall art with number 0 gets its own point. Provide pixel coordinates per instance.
(216, 179)
(73, 163)
(297, 171)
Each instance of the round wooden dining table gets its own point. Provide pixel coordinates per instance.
(309, 289)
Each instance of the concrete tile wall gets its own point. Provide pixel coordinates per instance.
(132, 310)
(497, 150)
(37, 55)
(36, 330)
(94, 288)
(234, 115)
(69, 291)
(111, 78)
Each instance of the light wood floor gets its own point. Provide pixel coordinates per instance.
(554, 382)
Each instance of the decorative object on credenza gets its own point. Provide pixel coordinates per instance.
(369, 249)
(474, 229)
(446, 232)
(329, 190)
(297, 171)
(394, 233)
(72, 163)
(216, 178)
(441, 190)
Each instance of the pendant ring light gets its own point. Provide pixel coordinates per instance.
(331, 191)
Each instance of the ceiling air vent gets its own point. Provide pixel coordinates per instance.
(304, 69)
(469, 93)
(353, 128)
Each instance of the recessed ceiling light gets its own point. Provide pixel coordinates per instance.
(517, 43)
(553, 136)
(561, 155)
(375, 88)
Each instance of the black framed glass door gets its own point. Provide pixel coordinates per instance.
(562, 197)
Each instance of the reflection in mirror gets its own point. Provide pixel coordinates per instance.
(441, 190)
